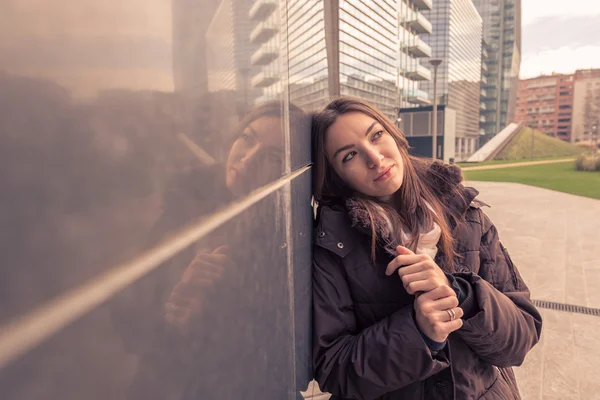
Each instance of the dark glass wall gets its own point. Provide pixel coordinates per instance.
(155, 206)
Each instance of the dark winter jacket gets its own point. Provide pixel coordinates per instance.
(367, 344)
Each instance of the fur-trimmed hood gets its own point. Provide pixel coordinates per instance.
(445, 178)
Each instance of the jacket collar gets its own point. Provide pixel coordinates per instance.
(335, 231)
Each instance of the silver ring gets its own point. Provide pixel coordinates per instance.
(451, 314)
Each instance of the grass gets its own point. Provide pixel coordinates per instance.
(561, 177)
(500, 162)
(544, 146)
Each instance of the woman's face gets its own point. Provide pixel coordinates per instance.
(364, 155)
(256, 157)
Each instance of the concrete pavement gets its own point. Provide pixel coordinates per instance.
(554, 238)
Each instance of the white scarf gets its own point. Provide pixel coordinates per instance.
(426, 244)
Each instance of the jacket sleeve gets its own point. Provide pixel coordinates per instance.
(363, 364)
(505, 324)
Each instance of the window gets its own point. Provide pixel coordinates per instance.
(564, 120)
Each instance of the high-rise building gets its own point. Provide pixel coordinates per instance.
(350, 48)
(546, 103)
(412, 72)
(456, 39)
(307, 54)
(586, 106)
(484, 97)
(502, 33)
(267, 35)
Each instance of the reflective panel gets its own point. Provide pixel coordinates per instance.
(457, 39)
(146, 149)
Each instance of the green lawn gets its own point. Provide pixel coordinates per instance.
(560, 176)
(543, 146)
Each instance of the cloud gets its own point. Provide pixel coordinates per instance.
(562, 60)
(555, 32)
(534, 9)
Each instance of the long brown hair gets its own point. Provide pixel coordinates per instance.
(410, 203)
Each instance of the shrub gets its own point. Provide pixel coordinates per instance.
(588, 162)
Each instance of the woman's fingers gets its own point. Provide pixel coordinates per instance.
(221, 250)
(421, 285)
(404, 261)
(444, 304)
(449, 314)
(452, 326)
(439, 292)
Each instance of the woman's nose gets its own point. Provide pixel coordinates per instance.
(374, 158)
(249, 156)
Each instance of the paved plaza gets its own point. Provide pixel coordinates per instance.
(554, 239)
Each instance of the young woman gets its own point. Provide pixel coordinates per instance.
(414, 295)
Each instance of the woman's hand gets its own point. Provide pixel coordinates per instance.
(419, 273)
(187, 297)
(437, 313)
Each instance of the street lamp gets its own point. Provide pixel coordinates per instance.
(435, 63)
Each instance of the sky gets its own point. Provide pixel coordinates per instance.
(560, 36)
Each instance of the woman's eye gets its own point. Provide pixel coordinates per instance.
(377, 135)
(349, 156)
(247, 139)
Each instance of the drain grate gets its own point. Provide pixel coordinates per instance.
(567, 307)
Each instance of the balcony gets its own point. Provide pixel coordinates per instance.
(483, 92)
(416, 22)
(422, 4)
(491, 106)
(484, 66)
(263, 56)
(262, 9)
(418, 73)
(484, 79)
(419, 49)
(482, 119)
(264, 79)
(482, 106)
(264, 31)
(482, 132)
(418, 96)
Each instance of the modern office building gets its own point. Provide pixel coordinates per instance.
(417, 124)
(586, 106)
(414, 25)
(546, 103)
(502, 33)
(267, 34)
(369, 50)
(457, 40)
(484, 96)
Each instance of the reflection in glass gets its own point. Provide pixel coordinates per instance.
(121, 123)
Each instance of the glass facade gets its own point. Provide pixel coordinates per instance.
(413, 23)
(369, 52)
(155, 207)
(502, 33)
(456, 39)
(307, 57)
